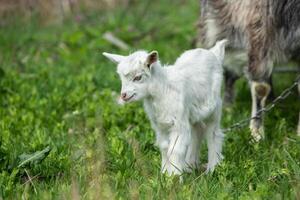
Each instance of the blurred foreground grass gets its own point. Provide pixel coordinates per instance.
(58, 91)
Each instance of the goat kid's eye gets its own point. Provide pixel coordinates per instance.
(137, 78)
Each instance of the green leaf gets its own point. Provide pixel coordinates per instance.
(34, 158)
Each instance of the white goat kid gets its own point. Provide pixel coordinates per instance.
(183, 102)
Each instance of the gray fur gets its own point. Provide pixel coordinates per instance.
(267, 31)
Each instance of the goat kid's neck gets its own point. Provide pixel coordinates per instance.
(159, 85)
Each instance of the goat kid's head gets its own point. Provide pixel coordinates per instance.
(135, 73)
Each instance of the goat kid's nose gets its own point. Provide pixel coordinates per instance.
(123, 95)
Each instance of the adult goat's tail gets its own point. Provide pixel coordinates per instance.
(219, 49)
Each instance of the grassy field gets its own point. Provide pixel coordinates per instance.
(63, 136)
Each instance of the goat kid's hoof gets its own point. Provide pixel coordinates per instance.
(170, 170)
(209, 169)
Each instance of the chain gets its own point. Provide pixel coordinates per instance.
(287, 92)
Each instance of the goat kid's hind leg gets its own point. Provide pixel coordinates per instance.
(193, 150)
(214, 142)
(215, 137)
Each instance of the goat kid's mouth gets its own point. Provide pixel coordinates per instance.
(129, 98)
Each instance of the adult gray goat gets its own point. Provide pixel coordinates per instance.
(260, 32)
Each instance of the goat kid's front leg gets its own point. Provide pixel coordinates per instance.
(162, 141)
(177, 149)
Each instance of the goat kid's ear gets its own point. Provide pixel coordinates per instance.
(114, 57)
(152, 58)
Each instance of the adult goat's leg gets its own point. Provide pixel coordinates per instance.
(298, 129)
(259, 93)
(259, 69)
(229, 94)
(271, 94)
(234, 65)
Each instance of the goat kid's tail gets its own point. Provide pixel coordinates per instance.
(219, 49)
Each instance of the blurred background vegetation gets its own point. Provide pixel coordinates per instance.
(53, 11)
(63, 136)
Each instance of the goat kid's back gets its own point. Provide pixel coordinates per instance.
(201, 70)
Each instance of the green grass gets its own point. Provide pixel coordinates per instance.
(58, 90)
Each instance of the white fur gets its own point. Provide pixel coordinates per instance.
(182, 101)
